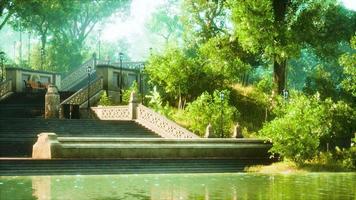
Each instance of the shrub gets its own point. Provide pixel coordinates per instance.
(210, 109)
(127, 93)
(301, 123)
(156, 103)
(105, 100)
(336, 160)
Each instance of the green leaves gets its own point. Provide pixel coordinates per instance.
(254, 26)
(348, 60)
(305, 123)
(105, 100)
(214, 110)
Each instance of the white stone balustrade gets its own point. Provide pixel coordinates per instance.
(144, 116)
(161, 125)
(112, 112)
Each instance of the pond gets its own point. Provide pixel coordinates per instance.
(181, 186)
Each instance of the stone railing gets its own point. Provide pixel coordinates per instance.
(81, 96)
(5, 88)
(112, 113)
(161, 125)
(77, 75)
(125, 65)
(144, 116)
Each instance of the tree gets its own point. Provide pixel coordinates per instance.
(182, 75)
(203, 19)
(40, 17)
(165, 21)
(6, 10)
(81, 19)
(226, 58)
(281, 28)
(67, 23)
(305, 125)
(210, 109)
(348, 60)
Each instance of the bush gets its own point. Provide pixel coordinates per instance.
(210, 109)
(127, 93)
(156, 103)
(105, 100)
(336, 160)
(303, 122)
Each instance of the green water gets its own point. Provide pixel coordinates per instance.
(181, 186)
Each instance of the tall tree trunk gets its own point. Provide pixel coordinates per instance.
(279, 75)
(43, 42)
(280, 8)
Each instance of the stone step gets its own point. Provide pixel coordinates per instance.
(17, 135)
(122, 166)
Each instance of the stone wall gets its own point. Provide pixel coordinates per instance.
(48, 146)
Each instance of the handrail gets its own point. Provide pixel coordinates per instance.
(5, 87)
(81, 95)
(77, 75)
(161, 125)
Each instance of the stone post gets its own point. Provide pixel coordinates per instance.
(237, 131)
(44, 148)
(208, 131)
(133, 103)
(52, 102)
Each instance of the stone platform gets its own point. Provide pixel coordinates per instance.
(49, 146)
(22, 166)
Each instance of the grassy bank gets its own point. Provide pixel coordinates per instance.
(285, 167)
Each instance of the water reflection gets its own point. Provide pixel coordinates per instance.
(181, 186)
(41, 187)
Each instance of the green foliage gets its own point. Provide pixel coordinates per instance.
(127, 93)
(253, 105)
(105, 100)
(335, 160)
(203, 20)
(304, 123)
(224, 58)
(280, 29)
(211, 109)
(265, 85)
(165, 21)
(320, 81)
(156, 103)
(348, 60)
(180, 75)
(63, 24)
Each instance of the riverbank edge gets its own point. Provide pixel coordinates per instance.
(285, 167)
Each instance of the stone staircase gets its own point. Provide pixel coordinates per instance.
(17, 135)
(25, 105)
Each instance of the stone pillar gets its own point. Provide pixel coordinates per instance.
(133, 103)
(208, 131)
(44, 146)
(52, 102)
(237, 131)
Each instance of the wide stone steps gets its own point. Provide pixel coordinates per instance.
(121, 166)
(26, 105)
(17, 135)
(25, 98)
(21, 110)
